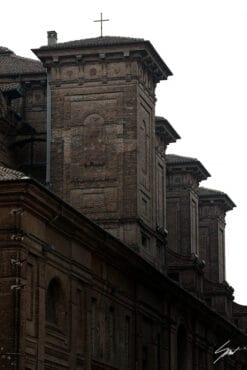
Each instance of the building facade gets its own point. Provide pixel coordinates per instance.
(112, 254)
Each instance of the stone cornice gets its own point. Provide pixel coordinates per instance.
(140, 50)
(177, 165)
(165, 131)
(212, 198)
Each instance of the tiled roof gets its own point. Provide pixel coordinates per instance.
(12, 64)
(205, 191)
(9, 174)
(4, 50)
(175, 161)
(178, 159)
(152, 59)
(164, 128)
(160, 118)
(96, 41)
(206, 195)
(239, 308)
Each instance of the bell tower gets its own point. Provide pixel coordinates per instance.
(103, 131)
(213, 206)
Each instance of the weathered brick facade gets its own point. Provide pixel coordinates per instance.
(103, 157)
(118, 262)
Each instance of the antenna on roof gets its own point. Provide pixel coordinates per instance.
(101, 20)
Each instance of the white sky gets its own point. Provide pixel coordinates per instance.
(204, 44)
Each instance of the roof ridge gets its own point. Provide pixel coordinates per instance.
(207, 191)
(5, 51)
(182, 157)
(94, 41)
(11, 63)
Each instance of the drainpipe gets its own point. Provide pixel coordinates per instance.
(48, 131)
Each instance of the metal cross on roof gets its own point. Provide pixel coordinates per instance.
(101, 20)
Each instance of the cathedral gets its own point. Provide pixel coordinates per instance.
(112, 253)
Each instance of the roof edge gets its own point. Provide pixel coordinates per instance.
(176, 162)
(209, 195)
(164, 128)
(164, 72)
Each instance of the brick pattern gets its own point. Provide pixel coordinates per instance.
(103, 144)
(113, 308)
(212, 241)
(110, 316)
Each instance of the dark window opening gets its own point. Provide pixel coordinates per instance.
(127, 342)
(110, 321)
(209, 301)
(54, 302)
(158, 352)
(145, 241)
(144, 358)
(181, 348)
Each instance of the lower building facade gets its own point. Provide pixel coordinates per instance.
(74, 297)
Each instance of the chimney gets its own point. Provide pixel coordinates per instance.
(51, 38)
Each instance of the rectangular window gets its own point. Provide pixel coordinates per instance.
(194, 227)
(94, 328)
(158, 352)
(145, 358)
(127, 342)
(110, 332)
(160, 196)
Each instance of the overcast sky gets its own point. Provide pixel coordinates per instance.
(204, 44)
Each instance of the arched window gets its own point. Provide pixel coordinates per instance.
(182, 348)
(54, 302)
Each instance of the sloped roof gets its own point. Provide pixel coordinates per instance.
(239, 308)
(12, 64)
(218, 196)
(177, 162)
(150, 56)
(4, 50)
(179, 159)
(208, 192)
(95, 41)
(9, 174)
(165, 129)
